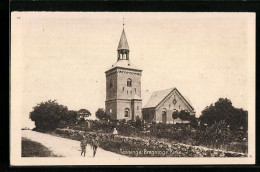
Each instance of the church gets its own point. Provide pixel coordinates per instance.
(123, 93)
(163, 103)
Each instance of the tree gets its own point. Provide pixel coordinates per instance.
(82, 114)
(184, 115)
(217, 134)
(224, 110)
(193, 121)
(47, 115)
(69, 118)
(101, 114)
(175, 115)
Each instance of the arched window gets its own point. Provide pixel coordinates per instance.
(111, 83)
(129, 82)
(126, 112)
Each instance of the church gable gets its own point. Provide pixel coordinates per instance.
(175, 101)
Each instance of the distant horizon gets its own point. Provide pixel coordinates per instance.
(63, 56)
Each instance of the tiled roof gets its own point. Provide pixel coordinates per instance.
(157, 97)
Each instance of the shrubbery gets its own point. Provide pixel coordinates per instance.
(216, 129)
(50, 115)
(136, 146)
(215, 136)
(224, 110)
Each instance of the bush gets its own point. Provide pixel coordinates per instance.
(217, 135)
(224, 110)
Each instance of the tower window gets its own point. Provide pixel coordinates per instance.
(123, 88)
(126, 112)
(110, 110)
(129, 82)
(135, 90)
(127, 91)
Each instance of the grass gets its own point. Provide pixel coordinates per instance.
(34, 149)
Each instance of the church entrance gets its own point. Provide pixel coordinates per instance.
(164, 118)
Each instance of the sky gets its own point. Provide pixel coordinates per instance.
(63, 56)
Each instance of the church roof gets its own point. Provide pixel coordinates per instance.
(124, 64)
(123, 45)
(158, 96)
(146, 94)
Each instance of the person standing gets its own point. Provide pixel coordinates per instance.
(83, 145)
(114, 133)
(95, 144)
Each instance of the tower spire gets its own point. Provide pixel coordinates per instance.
(123, 48)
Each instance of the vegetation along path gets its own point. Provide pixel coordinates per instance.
(65, 147)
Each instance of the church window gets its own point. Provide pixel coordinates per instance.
(127, 91)
(129, 82)
(174, 101)
(111, 83)
(126, 112)
(123, 88)
(164, 118)
(110, 110)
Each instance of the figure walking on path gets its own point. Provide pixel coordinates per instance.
(114, 133)
(83, 145)
(95, 144)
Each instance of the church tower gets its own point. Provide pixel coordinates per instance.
(123, 86)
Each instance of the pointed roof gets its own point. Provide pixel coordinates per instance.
(123, 45)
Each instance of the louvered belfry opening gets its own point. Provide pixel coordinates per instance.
(123, 48)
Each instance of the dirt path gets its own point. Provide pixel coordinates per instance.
(65, 147)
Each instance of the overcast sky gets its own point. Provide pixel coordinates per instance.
(63, 56)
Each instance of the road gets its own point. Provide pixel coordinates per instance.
(65, 147)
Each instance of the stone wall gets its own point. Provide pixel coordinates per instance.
(153, 146)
